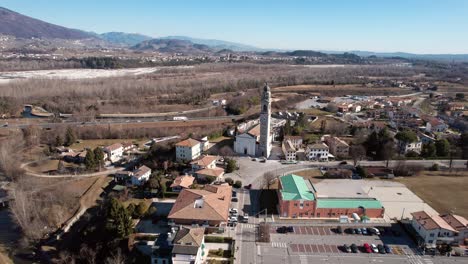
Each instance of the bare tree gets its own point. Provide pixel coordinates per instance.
(357, 153)
(9, 156)
(268, 178)
(116, 258)
(226, 151)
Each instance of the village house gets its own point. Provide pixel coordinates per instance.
(188, 246)
(298, 198)
(136, 177)
(337, 147)
(296, 141)
(188, 150)
(114, 152)
(182, 182)
(205, 167)
(435, 125)
(127, 146)
(318, 151)
(207, 207)
(289, 151)
(406, 147)
(433, 228)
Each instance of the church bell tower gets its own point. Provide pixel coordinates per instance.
(265, 120)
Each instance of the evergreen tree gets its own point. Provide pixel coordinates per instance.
(119, 219)
(287, 129)
(58, 141)
(428, 150)
(442, 147)
(90, 160)
(98, 156)
(70, 137)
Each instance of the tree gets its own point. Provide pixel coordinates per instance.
(229, 180)
(162, 190)
(119, 219)
(98, 156)
(387, 151)
(463, 143)
(357, 153)
(231, 165)
(268, 177)
(442, 147)
(428, 150)
(361, 171)
(70, 137)
(287, 129)
(140, 210)
(90, 160)
(237, 184)
(460, 96)
(58, 141)
(131, 209)
(406, 136)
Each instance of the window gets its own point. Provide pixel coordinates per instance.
(318, 214)
(431, 235)
(295, 204)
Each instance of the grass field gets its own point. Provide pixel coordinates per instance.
(93, 143)
(314, 112)
(444, 191)
(329, 122)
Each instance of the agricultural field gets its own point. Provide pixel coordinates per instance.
(443, 191)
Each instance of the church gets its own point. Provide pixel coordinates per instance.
(256, 141)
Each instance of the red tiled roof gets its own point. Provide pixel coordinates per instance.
(184, 181)
(141, 171)
(188, 143)
(204, 161)
(216, 201)
(431, 222)
(216, 172)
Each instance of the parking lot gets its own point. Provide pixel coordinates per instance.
(316, 240)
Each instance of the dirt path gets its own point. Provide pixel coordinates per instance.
(24, 166)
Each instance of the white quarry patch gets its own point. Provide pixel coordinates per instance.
(75, 74)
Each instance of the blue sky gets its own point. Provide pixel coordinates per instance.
(430, 26)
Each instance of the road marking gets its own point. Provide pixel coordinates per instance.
(279, 245)
(303, 259)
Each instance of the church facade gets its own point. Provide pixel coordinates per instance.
(257, 140)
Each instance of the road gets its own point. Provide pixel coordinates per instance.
(23, 123)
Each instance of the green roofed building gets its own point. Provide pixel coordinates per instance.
(298, 199)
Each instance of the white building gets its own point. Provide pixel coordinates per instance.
(296, 141)
(433, 228)
(114, 152)
(140, 175)
(289, 150)
(188, 246)
(318, 151)
(412, 146)
(247, 143)
(188, 150)
(436, 125)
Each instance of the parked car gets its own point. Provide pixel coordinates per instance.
(367, 248)
(290, 229)
(381, 249)
(364, 231)
(339, 230)
(354, 248)
(234, 199)
(358, 231)
(375, 231)
(233, 210)
(374, 248)
(346, 248)
(282, 229)
(248, 187)
(388, 249)
(245, 218)
(254, 159)
(234, 194)
(343, 162)
(263, 160)
(232, 219)
(353, 231)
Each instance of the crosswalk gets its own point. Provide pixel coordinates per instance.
(279, 245)
(303, 259)
(248, 225)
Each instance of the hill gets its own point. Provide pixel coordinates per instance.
(124, 39)
(216, 44)
(172, 46)
(21, 26)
